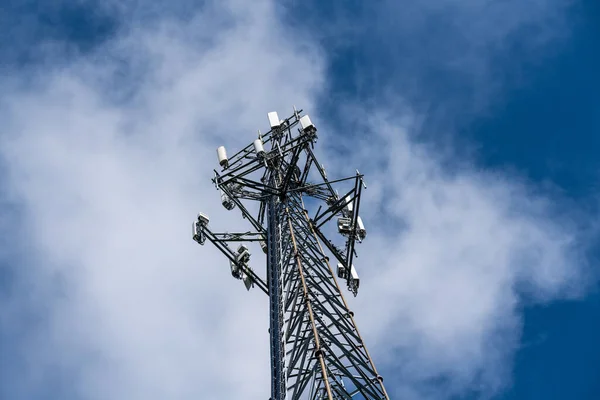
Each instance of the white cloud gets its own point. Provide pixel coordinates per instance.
(111, 177)
(450, 256)
(110, 160)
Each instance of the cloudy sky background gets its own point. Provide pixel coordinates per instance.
(476, 123)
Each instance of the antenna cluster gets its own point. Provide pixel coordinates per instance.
(316, 350)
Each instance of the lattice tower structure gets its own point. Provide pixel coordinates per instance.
(316, 350)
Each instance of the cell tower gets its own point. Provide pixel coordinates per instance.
(316, 349)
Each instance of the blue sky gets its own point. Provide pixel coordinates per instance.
(493, 109)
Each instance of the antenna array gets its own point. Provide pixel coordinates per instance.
(316, 349)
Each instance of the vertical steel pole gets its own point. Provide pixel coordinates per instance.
(278, 389)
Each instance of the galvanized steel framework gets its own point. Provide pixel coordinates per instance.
(316, 349)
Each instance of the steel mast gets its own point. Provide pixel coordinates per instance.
(316, 349)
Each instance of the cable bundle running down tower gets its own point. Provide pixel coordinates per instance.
(316, 349)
